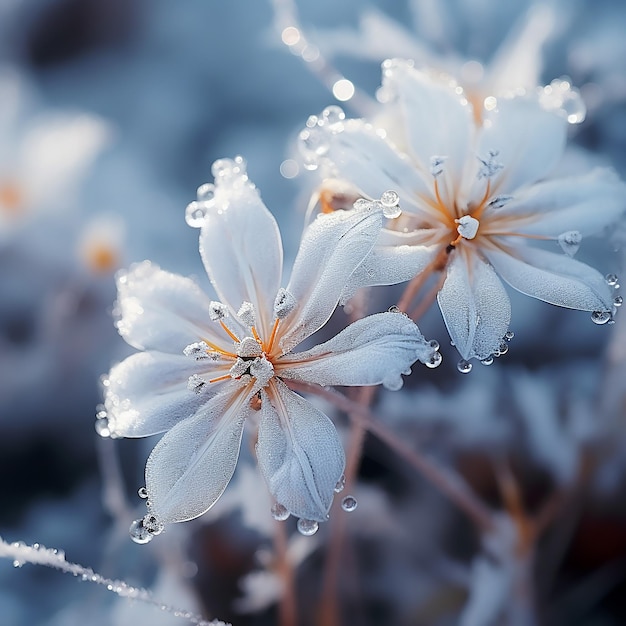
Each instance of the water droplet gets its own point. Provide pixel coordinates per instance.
(601, 317)
(488, 360)
(561, 97)
(390, 199)
(195, 213)
(503, 348)
(307, 527)
(206, 192)
(153, 524)
(313, 144)
(618, 301)
(434, 344)
(18, 563)
(434, 360)
(394, 309)
(574, 107)
(349, 503)
(508, 335)
(142, 492)
(341, 483)
(611, 280)
(138, 533)
(279, 512)
(465, 367)
(226, 169)
(333, 114)
(102, 427)
(570, 242)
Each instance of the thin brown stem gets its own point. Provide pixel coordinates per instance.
(287, 609)
(447, 481)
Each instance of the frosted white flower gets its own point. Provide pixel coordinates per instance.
(208, 366)
(474, 198)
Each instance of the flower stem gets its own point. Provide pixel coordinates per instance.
(288, 612)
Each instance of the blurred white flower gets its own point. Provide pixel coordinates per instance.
(209, 366)
(474, 197)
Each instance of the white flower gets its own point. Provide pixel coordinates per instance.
(474, 199)
(208, 366)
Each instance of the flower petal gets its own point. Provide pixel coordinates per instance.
(147, 393)
(475, 306)
(587, 204)
(332, 247)
(437, 120)
(527, 140)
(299, 453)
(190, 467)
(162, 311)
(554, 278)
(242, 251)
(373, 350)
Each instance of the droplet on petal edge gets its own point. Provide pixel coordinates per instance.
(561, 97)
(349, 504)
(196, 213)
(390, 201)
(618, 301)
(508, 335)
(611, 280)
(601, 317)
(434, 361)
(279, 512)
(341, 483)
(142, 492)
(307, 527)
(102, 424)
(465, 367)
(487, 361)
(333, 114)
(138, 533)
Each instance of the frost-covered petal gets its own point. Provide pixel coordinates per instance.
(299, 453)
(554, 278)
(437, 120)
(191, 465)
(527, 140)
(160, 310)
(373, 350)
(242, 251)
(147, 393)
(586, 203)
(358, 154)
(389, 265)
(332, 247)
(475, 306)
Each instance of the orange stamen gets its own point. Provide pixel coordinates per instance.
(229, 332)
(219, 350)
(483, 203)
(272, 336)
(225, 377)
(256, 335)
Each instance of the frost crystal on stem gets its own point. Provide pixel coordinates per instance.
(207, 366)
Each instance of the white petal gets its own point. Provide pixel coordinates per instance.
(586, 203)
(529, 142)
(332, 247)
(162, 311)
(475, 306)
(389, 265)
(242, 251)
(373, 350)
(360, 156)
(147, 393)
(436, 119)
(299, 453)
(190, 467)
(553, 278)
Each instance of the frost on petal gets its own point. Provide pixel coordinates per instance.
(373, 350)
(242, 251)
(553, 278)
(389, 265)
(332, 247)
(299, 453)
(148, 393)
(475, 306)
(190, 467)
(435, 117)
(528, 140)
(587, 203)
(160, 310)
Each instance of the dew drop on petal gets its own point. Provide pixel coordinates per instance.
(195, 214)
(349, 503)
(307, 527)
(279, 512)
(153, 524)
(434, 361)
(341, 483)
(570, 242)
(601, 317)
(138, 533)
(487, 361)
(390, 199)
(508, 335)
(434, 344)
(465, 367)
(206, 192)
(394, 309)
(102, 427)
(333, 114)
(611, 280)
(142, 492)
(503, 348)
(618, 301)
